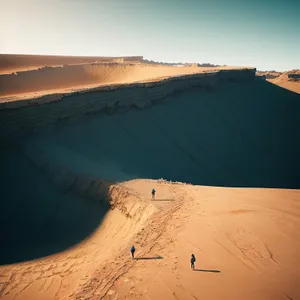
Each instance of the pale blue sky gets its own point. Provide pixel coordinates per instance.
(260, 33)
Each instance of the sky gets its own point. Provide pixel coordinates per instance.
(261, 33)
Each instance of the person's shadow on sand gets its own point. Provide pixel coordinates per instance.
(148, 258)
(208, 271)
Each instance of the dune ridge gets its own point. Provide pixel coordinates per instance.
(68, 78)
(48, 78)
(230, 248)
(108, 98)
(208, 78)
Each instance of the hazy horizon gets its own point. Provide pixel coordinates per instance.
(262, 34)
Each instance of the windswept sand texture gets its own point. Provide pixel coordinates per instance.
(76, 176)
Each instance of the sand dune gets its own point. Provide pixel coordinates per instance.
(284, 80)
(75, 193)
(76, 76)
(246, 243)
(235, 236)
(289, 85)
(217, 144)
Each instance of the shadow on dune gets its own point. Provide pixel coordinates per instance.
(37, 219)
(208, 271)
(149, 258)
(242, 134)
(237, 135)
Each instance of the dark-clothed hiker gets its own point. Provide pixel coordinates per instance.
(153, 193)
(132, 250)
(193, 259)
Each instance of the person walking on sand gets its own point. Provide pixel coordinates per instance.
(153, 193)
(193, 259)
(132, 250)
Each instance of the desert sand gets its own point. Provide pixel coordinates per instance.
(246, 244)
(77, 179)
(282, 79)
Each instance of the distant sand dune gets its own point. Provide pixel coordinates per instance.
(11, 63)
(46, 75)
(76, 76)
(283, 79)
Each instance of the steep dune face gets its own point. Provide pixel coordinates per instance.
(241, 134)
(40, 217)
(55, 207)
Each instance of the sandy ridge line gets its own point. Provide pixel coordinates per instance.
(52, 95)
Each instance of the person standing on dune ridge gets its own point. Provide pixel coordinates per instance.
(193, 259)
(153, 193)
(132, 250)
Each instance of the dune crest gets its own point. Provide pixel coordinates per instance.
(35, 76)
